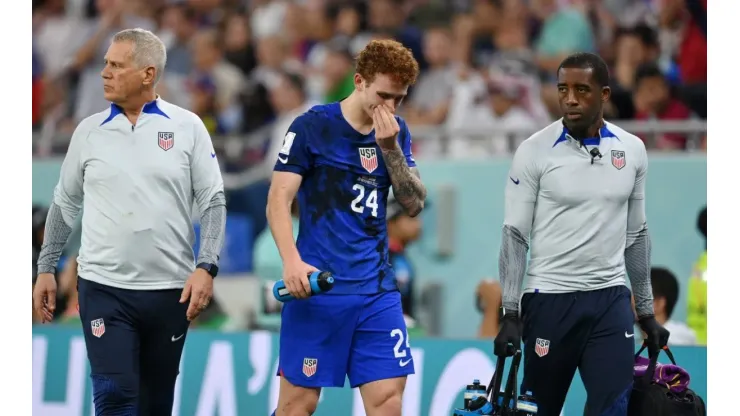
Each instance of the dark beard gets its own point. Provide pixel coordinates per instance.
(580, 129)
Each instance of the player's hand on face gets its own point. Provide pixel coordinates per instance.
(199, 289)
(295, 276)
(45, 297)
(386, 127)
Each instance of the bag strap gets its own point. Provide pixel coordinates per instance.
(653, 363)
(510, 391)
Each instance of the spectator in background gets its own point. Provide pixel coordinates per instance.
(350, 24)
(564, 30)
(490, 107)
(37, 90)
(697, 292)
(430, 97)
(403, 230)
(113, 15)
(289, 100)
(653, 99)
(514, 63)
(203, 103)
(267, 18)
(228, 81)
(665, 297)
(488, 302)
(388, 17)
(635, 47)
(684, 25)
(689, 19)
(338, 71)
(178, 25)
(238, 43)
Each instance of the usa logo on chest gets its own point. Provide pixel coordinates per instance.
(166, 140)
(369, 158)
(618, 159)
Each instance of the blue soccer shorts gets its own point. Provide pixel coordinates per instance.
(325, 338)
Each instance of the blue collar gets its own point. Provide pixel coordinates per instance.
(149, 108)
(604, 133)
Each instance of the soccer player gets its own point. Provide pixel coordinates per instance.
(137, 168)
(576, 195)
(341, 159)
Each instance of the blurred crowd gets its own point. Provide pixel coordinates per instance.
(250, 66)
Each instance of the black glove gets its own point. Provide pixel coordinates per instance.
(656, 337)
(509, 338)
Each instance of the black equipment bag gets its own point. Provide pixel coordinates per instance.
(652, 399)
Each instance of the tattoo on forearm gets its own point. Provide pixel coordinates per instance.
(407, 187)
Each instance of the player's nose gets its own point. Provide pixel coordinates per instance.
(391, 104)
(571, 100)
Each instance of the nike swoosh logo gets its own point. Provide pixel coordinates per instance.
(283, 159)
(213, 154)
(516, 181)
(175, 339)
(403, 363)
(628, 335)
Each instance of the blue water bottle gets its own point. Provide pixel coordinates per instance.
(320, 282)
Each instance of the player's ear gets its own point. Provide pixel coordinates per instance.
(606, 93)
(359, 82)
(149, 74)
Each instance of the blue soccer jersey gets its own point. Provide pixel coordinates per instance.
(342, 199)
(361, 334)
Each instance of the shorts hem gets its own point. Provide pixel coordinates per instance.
(355, 384)
(313, 384)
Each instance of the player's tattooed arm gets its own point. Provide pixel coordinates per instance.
(408, 189)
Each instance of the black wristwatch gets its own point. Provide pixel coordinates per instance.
(212, 269)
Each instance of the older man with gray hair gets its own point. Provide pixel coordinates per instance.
(137, 169)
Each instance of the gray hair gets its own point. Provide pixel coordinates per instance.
(149, 50)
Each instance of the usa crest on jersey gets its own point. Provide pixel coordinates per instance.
(369, 158)
(541, 347)
(618, 159)
(309, 366)
(166, 140)
(98, 327)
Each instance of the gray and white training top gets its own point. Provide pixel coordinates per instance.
(578, 217)
(137, 184)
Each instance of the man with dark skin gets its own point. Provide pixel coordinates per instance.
(576, 194)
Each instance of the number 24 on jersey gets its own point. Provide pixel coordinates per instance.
(360, 202)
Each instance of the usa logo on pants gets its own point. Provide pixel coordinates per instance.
(309, 366)
(98, 327)
(541, 347)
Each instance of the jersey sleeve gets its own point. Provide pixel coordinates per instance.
(295, 155)
(404, 138)
(636, 217)
(522, 187)
(204, 169)
(68, 194)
